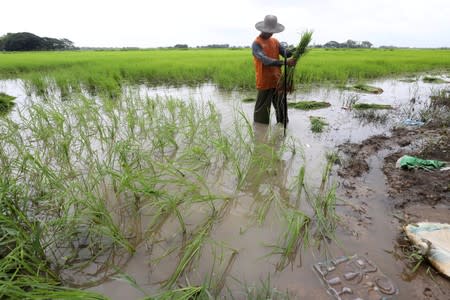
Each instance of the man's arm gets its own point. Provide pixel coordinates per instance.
(267, 61)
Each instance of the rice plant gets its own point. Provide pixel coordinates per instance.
(295, 237)
(317, 124)
(286, 82)
(6, 102)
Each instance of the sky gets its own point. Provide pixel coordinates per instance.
(147, 23)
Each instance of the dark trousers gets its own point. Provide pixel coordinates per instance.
(264, 101)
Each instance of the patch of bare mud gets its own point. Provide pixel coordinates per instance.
(412, 195)
(418, 186)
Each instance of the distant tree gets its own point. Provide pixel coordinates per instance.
(22, 41)
(331, 44)
(181, 46)
(348, 44)
(366, 44)
(25, 41)
(351, 44)
(2, 42)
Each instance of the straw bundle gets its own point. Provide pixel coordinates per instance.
(300, 50)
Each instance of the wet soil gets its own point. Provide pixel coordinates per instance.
(412, 195)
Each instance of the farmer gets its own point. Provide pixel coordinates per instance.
(266, 51)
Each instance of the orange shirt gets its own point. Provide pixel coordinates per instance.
(267, 76)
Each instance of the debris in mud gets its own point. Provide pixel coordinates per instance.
(418, 186)
(354, 277)
(410, 162)
(411, 122)
(433, 239)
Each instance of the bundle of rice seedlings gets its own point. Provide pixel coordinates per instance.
(300, 50)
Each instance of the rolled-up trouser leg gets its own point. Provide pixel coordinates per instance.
(264, 100)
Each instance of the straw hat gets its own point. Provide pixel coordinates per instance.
(270, 24)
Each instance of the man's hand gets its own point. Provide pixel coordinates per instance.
(291, 62)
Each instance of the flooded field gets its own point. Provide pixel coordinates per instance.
(195, 194)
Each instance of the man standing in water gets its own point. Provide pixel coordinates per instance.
(266, 51)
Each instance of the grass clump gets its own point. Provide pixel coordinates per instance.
(442, 98)
(317, 124)
(309, 105)
(6, 102)
(430, 79)
(367, 89)
(361, 106)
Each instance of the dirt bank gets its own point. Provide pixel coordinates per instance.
(413, 195)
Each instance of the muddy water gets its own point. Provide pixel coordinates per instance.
(367, 224)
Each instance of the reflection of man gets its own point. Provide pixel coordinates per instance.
(266, 165)
(266, 51)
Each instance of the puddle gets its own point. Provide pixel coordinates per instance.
(370, 233)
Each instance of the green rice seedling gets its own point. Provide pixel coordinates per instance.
(371, 116)
(361, 106)
(186, 293)
(240, 158)
(218, 278)
(317, 124)
(299, 185)
(263, 204)
(324, 204)
(367, 89)
(191, 251)
(26, 273)
(287, 80)
(6, 102)
(294, 238)
(430, 79)
(440, 98)
(309, 105)
(84, 70)
(264, 290)
(332, 158)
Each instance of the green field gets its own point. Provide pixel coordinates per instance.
(108, 70)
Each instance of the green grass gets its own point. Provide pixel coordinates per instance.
(309, 105)
(317, 124)
(6, 102)
(430, 79)
(361, 106)
(441, 98)
(367, 89)
(107, 71)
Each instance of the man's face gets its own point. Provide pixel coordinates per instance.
(266, 35)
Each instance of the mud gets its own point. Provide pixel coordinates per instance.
(412, 195)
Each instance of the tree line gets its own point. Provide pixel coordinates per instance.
(25, 41)
(347, 44)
